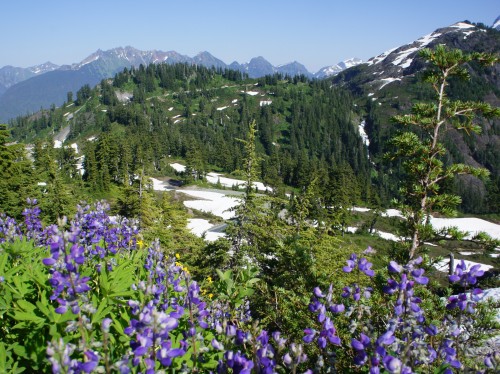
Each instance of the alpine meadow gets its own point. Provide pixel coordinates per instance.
(182, 215)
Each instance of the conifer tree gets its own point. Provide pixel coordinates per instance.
(247, 227)
(16, 176)
(422, 155)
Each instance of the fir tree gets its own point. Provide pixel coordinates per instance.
(422, 156)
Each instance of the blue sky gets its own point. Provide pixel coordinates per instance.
(316, 33)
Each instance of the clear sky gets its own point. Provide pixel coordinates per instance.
(315, 33)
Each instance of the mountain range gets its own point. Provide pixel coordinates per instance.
(25, 90)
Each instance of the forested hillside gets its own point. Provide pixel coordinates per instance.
(145, 117)
(391, 83)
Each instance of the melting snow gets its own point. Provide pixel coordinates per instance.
(360, 209)
(252, 93)
(265, 102)
(462, 25)
(200, 227)
(380, 58)
(178, 167)
(213, 202)
(392, 213)
(222, 108)
(443, 265)
(159, 185)
(404, 55)
(386, 81)
(388, 236)
(472, 225)
(362, 133)
(229, 182)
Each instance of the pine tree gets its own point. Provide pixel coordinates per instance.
(422, 156)
(17, 179)
(247, 227)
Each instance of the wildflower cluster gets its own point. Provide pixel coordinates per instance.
(115, 306)
(408, 340)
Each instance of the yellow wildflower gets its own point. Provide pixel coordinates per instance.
(177, 256)
(209, 279)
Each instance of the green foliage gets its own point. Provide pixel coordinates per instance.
(422, 154)
(28, 316)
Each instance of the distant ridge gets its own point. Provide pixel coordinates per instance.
(25, 90)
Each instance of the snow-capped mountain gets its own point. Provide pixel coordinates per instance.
(403, 61)
(10, 75)
(130, 56)
(496, 24)
(329, 71)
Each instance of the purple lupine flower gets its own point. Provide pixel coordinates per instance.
(392, 364)
(360, 346)
(317, 292)
(310, 333)
(166, 353)
(279, 340)
(394, 267)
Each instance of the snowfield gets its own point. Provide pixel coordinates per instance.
(201, 227)
(471, 225)
(178, 167)
(159, 185)
(444, 265)
(211, 202)
(221, 205)
(215, 178)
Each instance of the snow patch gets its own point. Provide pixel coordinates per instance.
(363, 134)
(178, 167)
(201, 227)
(360, 209)
(215, 178)
(471, 225)
(444, 265)
(388, 236)
(392, 213)
(159, 185)
(213, 202)
(386, 81)
(380, 58)
(462, 25)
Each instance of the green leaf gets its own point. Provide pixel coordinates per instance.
(26, 305)
(101, 312)
(3, 358)
(28, 317)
